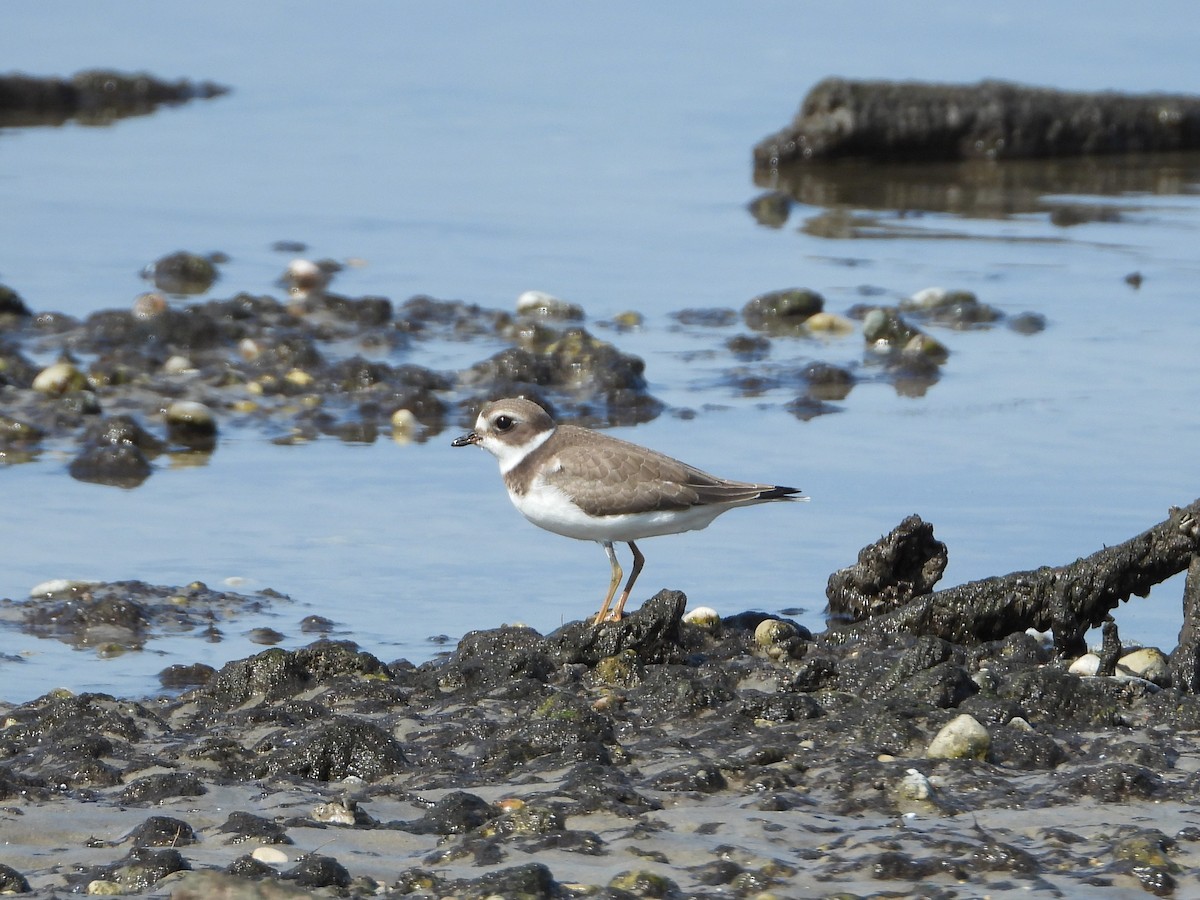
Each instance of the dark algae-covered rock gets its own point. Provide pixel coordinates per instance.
(96, 96)
(897, 120)
(662, 755)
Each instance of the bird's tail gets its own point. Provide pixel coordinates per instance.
(778, 492)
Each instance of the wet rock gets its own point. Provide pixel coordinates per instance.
(887, 334)
(332, 751)
(1027, 323)
(15, 369)
(904, 564)
(703, 617)
(60, 378)
(316, 625)
(705, 779)
(749, 348)
(191, 424)
(771, 209)
(531, 881)
(774, 631)
(718, 317)
(119, 465)
(16, 433)
(783, 311)
(316, 871)
(954, 308)
(12, 881)
(244, 826)
(177, 677)
(156, 788)
(884, 120)
(489, 658)
(539, 303)
(276, 674)
(644, 883)
(827, 381)
(961, 738)
(652, 632)
(806, 407)
(595, 786)
(12, 308)
(103, 612)
(1146, 662)
(183, 273)
(1024, 749)
(95, 96)
(303, 277)
(829, 325)
(456, 813)
(163, 831)
(117, 451)
(140, 870)
(1115, 783)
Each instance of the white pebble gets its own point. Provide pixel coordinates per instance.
(272, 856)
(178, 365)
(58, 378)
(703, 616)
(1088, 664)
(58, 587)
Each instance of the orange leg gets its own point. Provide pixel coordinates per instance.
(638, 559)
(612, 585)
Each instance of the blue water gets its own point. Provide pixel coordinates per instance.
(603, 154)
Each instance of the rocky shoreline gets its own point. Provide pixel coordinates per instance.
(664, 756)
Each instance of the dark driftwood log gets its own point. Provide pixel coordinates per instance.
(1185, 660)
(1066, 600)
(888, 120)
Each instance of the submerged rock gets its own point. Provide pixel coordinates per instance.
(183, 273)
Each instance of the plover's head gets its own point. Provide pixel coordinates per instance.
(509, 430)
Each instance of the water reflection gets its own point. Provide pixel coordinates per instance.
(974, 190)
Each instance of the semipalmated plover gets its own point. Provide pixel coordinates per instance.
(594, 487)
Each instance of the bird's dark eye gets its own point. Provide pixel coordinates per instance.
(503, 423)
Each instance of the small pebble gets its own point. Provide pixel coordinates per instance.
(149, 305)
(59, 378)
(539, 303)
(703, 616)
(58, 588)
(178, 365)
(191, 424)
(303, 277)
(272, 856)
(1088, 664)
(333, 813)
(829, 323)
(773, 631)
(404, 426)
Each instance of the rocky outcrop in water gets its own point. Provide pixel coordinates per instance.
(889, 120)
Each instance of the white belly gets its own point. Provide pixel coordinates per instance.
(549, 508)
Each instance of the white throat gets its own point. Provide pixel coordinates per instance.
(510, 455)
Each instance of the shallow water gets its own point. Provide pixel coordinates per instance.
(602, 155)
